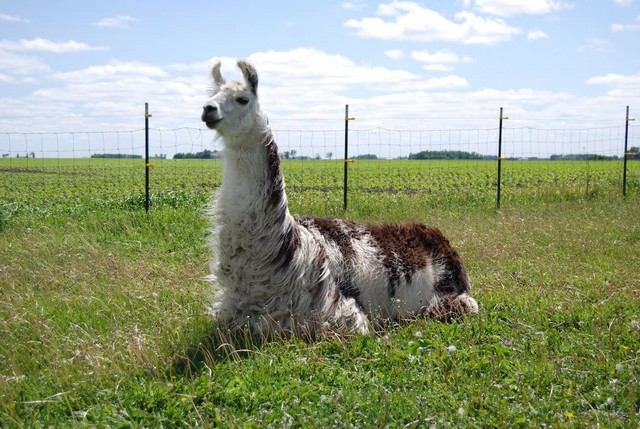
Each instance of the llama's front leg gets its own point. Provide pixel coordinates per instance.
(350, 318)
(451, 306)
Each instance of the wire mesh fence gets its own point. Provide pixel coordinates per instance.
(46, 172)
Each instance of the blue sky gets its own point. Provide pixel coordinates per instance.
(73, 65)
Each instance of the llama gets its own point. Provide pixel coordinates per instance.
(274, 273)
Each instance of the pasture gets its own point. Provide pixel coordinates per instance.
(313, 185)
(102, 309)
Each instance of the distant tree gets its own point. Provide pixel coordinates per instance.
(205, 154)
(116, 156)
(445, 154)
(329, 155)
(367, 156)
(289, 154)
(582, 157)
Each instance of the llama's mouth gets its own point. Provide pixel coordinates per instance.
(212, 123)
(211, 116)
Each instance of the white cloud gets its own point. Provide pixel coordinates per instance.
(11, 18)
(308, 83)
(623, 2)
(43, 45)
(110, 72)
(614, 79)
(117, 91)
(411, 21)
(122, 21)
(311, 67)
(632, 26)
(446, 82)
(16, 64)
(353, 5)
(537, 35)
(395, 54)
(623, 89)
(16, 80)
(439, 60)
(300, 89)
(506, 8)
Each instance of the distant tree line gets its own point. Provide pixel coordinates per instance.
(116, 155)
(445, 154)
(205, 154)
(582, 157)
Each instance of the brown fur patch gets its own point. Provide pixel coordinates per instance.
(330, 229)
(290, 244)
(402, 249)
(276, 180)
(407, 248)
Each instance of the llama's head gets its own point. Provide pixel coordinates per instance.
(233, 108)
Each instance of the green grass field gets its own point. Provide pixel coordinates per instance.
(103, 324)
(26, 185)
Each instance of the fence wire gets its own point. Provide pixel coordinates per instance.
(53, 171)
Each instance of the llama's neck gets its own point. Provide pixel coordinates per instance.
(252, 191)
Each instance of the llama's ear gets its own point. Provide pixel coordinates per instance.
(217, 76)
(250, 75)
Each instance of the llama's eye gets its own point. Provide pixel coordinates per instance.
(243, 100)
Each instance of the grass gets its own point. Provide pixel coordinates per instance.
(103, 324)
(97, 184)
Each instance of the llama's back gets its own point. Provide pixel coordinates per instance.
(390, 270)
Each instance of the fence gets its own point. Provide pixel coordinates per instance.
(53, 171)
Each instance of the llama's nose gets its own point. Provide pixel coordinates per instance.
(209, 113)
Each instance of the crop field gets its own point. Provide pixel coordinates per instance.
(103, 317)
(45, 185)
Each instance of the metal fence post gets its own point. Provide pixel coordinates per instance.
(626, 153)
(500, 157)
(346, 153)
(147, 165)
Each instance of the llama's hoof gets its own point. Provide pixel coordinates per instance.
(470, 304)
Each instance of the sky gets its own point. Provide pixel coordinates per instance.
(74, 65)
